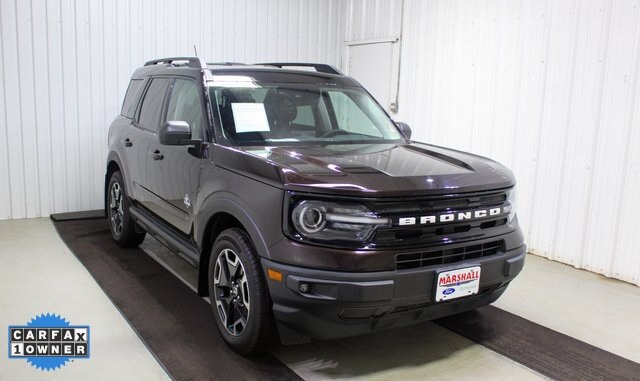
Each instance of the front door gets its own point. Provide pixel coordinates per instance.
(174, 171)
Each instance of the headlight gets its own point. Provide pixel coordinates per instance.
(512, 200)
(322, 220)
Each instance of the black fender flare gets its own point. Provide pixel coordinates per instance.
(225, 202)
(222, 202)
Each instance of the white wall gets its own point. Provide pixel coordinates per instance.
(64, 67)
(372, 19)
(549, 88)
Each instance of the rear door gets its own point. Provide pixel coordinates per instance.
(124, 147)
(174, 171)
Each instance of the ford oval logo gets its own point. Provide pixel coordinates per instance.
(449, 291)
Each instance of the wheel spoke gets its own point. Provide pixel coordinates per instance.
(233, 264)
(222, 277)
(223, 294)
(244, 288)
(241, 322)
(242, 311)
(222, 311)
(230, 310)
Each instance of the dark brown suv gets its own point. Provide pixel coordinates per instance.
(308, 211)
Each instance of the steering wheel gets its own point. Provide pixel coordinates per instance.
(333, 133)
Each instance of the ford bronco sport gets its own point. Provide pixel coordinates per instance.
(307, 211)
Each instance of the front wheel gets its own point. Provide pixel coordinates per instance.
(121, 224)
(239, 295)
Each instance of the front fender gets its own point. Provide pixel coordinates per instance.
(226, 202)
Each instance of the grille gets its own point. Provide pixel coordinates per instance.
(431, 234)
(445, 256)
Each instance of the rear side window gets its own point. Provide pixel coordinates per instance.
(128, 106)
(149, 117)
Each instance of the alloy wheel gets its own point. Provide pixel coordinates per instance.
(231, 292)
(116, 213)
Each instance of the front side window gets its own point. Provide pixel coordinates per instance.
(274, 114)
(149, 117)
(185, 105)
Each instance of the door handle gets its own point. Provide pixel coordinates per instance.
(157, 155)
(127, 142)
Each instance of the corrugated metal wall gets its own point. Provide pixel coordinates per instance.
(549, 88)
(64, 67)
(373, 19)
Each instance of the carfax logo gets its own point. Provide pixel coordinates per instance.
(48, 341)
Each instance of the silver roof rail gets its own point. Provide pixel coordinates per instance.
(320, 68)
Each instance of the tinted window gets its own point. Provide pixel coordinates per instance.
(151, 108)
(185, 105)
(280, 113)
(351, 117)
(128, 107)
(305, 116)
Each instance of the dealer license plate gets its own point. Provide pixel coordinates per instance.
(457, 283)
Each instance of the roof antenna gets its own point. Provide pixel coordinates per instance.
(202, 64)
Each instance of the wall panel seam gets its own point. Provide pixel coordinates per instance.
(559, 201)
(627, 147)
(6, 121)
(595, 144)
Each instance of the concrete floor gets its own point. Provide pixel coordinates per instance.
(38, 274)
(583, 305)
(601, 311)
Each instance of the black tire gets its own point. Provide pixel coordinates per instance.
(238, 290)
(121, 225)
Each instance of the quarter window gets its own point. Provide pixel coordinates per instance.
(128, 107)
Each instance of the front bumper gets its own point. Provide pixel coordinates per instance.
(344, 304)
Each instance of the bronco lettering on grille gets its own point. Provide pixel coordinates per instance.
(453, 217)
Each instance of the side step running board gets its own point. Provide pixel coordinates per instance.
(166, 235)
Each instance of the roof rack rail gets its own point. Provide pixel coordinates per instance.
(226, 63)
(194, 62)
(320, 68)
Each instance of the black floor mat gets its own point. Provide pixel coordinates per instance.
(81, 215)
(175, 323)
(544, 350)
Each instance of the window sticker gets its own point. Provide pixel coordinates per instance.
(250, 117)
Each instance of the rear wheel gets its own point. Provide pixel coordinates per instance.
(121, 224)
(239, 295)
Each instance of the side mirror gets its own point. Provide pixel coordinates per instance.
(175, 133)
(405, 129)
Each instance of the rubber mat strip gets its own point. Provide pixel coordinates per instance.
(544, 350)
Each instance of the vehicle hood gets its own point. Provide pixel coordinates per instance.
(367, 170)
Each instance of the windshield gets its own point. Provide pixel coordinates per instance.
(277, 114)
